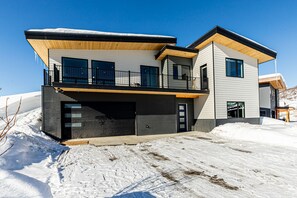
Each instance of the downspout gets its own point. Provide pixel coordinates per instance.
(214, 89)
(258, 90)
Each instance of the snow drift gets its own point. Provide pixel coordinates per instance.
(273, 132)
(26, 153)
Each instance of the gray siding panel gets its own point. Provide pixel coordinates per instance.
(204, 125)
(234, 120)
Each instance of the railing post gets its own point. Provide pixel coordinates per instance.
(187, 78)
(129, 78)
(44, 77)
(162, 75)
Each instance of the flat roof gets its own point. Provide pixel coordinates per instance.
(235, 41)
(42, 40)
(91, 35)
(275, 80)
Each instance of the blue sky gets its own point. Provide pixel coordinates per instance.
(272, 23)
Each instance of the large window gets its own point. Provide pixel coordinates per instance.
(103, 73)
(234, 67)
(75, 70)
(181, 72)
(235, 109)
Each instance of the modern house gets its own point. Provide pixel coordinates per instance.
(105, 84)
(269, 86)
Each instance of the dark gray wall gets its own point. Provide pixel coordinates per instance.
(233, 120)
(154, 113)
(204, 125)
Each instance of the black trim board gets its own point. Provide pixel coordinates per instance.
(41, 35)
(177, 48)
(235, 37)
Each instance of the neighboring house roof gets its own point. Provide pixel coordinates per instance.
(62, 38)
(169, 50)
(276, 80)
(235, 41)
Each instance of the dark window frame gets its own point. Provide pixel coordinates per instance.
(177, 77)
(237, 109)
(62, 61)
(242, 69)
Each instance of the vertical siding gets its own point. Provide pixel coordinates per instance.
(235, 89)
(204, 105)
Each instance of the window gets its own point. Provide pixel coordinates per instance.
(181, 72)
(75, 70)
(234, 67)
(235, 109)
(103, 72)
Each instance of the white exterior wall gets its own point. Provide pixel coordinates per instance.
(204, 105)
(124, 60)
(235, 89)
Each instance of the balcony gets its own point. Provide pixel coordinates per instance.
(114, 81)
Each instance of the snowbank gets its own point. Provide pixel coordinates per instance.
(27, 155)
(14, 184)
(272, 132)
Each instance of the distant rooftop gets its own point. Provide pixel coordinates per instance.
(276, 80)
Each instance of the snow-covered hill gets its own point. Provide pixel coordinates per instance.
(289, 98)
(234, 160)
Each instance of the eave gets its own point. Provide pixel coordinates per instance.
(236, 42)
(276, 82)
(170, 50)
(42, 42)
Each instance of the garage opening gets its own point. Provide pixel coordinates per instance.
(97, 119)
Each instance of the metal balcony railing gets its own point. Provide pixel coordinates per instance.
(95, 76)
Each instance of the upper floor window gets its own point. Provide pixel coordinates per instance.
(234, 67)
(181, 72)
(75, 70)
(236, 109)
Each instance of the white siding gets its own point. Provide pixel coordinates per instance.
(124, 60)
(204, 105)
(235, 89)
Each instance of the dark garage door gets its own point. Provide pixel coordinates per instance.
(97, 119)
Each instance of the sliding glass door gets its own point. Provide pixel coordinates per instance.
(149, 76)
(103, 73)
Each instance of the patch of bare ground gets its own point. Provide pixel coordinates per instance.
(194, 172)
(218, 142)
(213, 179)
(168, 176)
(240, 150)
(154, 165)
(203, 138)
(158, 156)
(112, 158)
(221, 182)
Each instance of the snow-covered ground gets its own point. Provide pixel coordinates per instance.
(234, 160)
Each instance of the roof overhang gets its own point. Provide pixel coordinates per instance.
(236, 42)
(277, 82)
(42, 42)
(170, 50)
